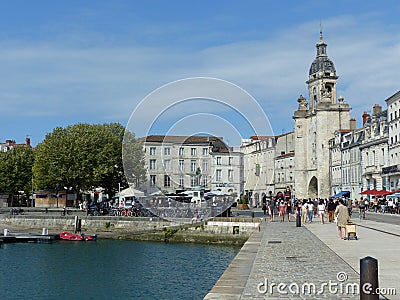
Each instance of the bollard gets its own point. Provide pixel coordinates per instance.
(76, 224)
(298, 220)
(368, 278)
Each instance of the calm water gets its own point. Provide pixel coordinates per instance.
(108, 269)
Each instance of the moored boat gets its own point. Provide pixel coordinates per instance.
(68, 236)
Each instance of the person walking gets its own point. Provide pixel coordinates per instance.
(282, 210)
(361, 209)
(272, 209)
(304, 212)
(264, 209)
(321, 210)
(343, 218)
(331, 210)
(310, 208)
(289, 209)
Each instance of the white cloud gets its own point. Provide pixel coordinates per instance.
(105, 84)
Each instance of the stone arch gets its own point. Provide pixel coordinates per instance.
(313, 188)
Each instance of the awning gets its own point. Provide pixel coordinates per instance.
(341, 194)
(395, 195)
(376, 192)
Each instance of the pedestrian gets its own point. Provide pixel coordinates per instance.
(390, 205)
(282, 210)
(310, 210)
(343, 218)
(272, 209)
(289, 209)
(376, 205)
(304, 212)
(264, 208)
(331, 210)
(361, 209)
(321, 210)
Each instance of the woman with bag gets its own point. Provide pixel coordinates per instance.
(343, 219)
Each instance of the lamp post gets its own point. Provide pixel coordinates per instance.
(57, 185)
(32, 204)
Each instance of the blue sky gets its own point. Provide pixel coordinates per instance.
(68, 62)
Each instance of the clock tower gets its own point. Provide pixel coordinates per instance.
(315, 122)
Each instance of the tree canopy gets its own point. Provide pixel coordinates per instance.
(82, 156)
(16, 170)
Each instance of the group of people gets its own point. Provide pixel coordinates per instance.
(282, 206)
(336, 210)
(382, 205)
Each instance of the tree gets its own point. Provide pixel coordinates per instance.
(81, 156)
(16, 170)
(133, 160)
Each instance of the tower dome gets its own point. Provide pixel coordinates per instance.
(322, 62)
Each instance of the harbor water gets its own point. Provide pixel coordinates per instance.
(111, 269)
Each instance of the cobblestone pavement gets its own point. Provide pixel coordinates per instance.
(293, 257)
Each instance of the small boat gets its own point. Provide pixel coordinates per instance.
(68, 236)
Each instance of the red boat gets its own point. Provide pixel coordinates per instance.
(64, 235)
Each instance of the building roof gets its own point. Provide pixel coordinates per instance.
(322, 62)
(180, 139)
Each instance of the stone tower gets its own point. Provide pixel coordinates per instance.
(315, 122)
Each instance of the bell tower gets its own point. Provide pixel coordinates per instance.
(322, 77)
(315, 123)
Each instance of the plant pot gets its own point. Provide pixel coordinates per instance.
(243, 206)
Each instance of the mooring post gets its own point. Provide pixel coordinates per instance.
(76, 224)
(298, 220)
(368, 278)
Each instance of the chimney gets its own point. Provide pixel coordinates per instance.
(352, 124)
(28, 142)
(377, 109)
(364, 117)
(10, 142)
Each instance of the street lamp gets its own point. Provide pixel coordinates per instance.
(32, 204)
(57, 186)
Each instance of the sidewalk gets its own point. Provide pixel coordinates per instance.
(384, 247)
(287, 255)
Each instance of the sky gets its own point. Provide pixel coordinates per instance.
(69, 62)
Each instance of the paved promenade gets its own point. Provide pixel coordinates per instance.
(283, 253)
(372, 242)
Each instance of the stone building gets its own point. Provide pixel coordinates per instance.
(374, 149)
(259, 154)
(351, 171)
(391, 172)
(284, 162)
(315, 123)
(178, 163)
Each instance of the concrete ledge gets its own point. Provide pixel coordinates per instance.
(231, 284)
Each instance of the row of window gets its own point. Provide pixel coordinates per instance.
(193, 179)
(167, 165)
(167, 151)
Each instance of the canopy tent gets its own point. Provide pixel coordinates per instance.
(131, 192)
(345, 194)
(376, 192)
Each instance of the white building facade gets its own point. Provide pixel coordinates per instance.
(391, 172)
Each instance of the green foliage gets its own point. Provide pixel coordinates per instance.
(16, 170)
(81, 156)
(169, 233)
(133, 159)
(244, 200)
(108, 225)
